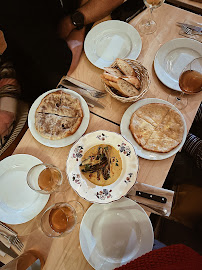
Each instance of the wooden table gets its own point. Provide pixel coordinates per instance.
(65, 253)
(195, 6)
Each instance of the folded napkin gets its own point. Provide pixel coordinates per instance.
(163, 208)
(5, 241)
(194, 36)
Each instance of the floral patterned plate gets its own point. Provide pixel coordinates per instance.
(109, 193)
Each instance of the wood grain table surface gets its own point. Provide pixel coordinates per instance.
(65, 253)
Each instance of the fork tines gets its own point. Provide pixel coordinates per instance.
(19, 245)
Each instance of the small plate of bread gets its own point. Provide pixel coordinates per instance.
(58, 118)
(156, 128)
(126, 80)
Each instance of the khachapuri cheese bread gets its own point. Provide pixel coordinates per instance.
(157, 127)
(58, 115)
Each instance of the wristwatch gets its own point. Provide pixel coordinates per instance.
(77, 20)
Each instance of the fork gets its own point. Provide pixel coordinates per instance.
(189, 31)
(13, 240)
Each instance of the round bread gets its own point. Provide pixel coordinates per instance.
(58, 115)
(157, 127)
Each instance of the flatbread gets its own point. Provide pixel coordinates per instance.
(173, 126)
(60, 103)
(58, 115)
(159, 142)
(153, 113)
(157, 127)
(141, 129)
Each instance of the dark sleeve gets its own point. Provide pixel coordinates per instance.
(193, 146)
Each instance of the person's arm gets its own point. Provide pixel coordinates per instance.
(93, 10)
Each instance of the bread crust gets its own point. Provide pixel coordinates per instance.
(113, 71)
(125, 67)
(122, 78)
(126, 88)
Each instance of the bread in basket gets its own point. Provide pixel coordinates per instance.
(126, 80)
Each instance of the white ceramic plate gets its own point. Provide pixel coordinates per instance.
(110, 40)
(114, 234)
(172, 58)
(66, 141)
(19, 203)
(109, 193)
(125, 131)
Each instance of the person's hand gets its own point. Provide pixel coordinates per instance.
(65, 27)
(75, 43)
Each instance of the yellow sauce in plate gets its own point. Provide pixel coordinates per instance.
(115, 165)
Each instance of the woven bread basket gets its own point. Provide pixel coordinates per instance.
(142, 75)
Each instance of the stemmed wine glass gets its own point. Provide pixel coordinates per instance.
(190, 82)
(148, 26)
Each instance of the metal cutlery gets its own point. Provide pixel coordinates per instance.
(190, 29)
(91, 90)
(8, 251)
(91, 102)
(7, 228)
(159, 210)
(12, 239)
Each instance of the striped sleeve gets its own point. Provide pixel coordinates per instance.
(193, 146)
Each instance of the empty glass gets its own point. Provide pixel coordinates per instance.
(61, 218)
(45, 178)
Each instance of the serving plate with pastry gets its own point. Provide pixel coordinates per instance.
(58, 118)
(126, 80)
(156, 128)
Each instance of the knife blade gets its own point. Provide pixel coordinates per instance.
(7, 228)
(80, 84)
(79, 91)
(8, 251)
(192, 27)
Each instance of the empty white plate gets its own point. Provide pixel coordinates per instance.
(18, 202)
(116, 233)
(172, 58)
(110, 40)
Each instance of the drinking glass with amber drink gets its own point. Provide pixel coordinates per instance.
(45, 178)
(61, 218)
(190, 82)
